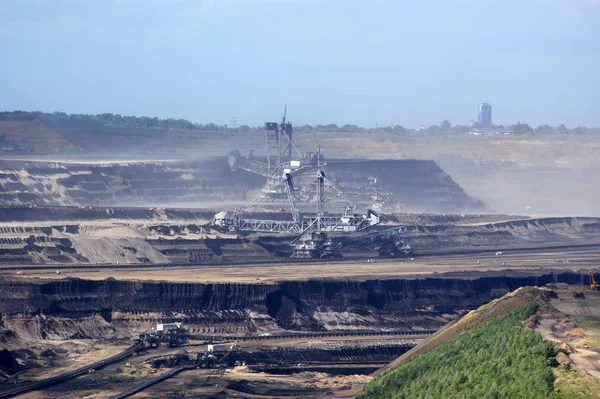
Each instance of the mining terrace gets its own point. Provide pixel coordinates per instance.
(118, 278)
(81, 283)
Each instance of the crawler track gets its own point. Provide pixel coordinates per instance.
(437, 254)
(34, 386)
(214, 338)
(84, 266)
(140, 387)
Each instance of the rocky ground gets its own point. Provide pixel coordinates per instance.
(573, 323)
(63, 236)
(567, 316)
(408, 185)
(122, 270)
(540, 174)
(299, 372)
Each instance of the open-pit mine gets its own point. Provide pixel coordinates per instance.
(281, 274)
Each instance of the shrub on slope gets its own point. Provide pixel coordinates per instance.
(501, 359)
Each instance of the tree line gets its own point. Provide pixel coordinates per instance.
(145, 122)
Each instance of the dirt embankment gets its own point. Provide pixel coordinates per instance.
(31, 136)
(572, 323)
(416, 185)
(113, 308)
(472, 320)
(541, 175)
(533, 190)
(29, 214)
(125, 183)
(541, 150)
(82, 311)
(447, 233)
(568, 316)
(541, 231)
(93, 235)
(410, 185)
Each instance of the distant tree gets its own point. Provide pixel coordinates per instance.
(116, 120)
(106, 117)
(521, 128)
(460, 129)
(561, 129)
(433, 129)
(350, 128)
(332, 127)
(544, 129)
(244, 128)
(398, 129)
(579, 130)
(306, 128)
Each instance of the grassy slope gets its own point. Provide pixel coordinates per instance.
(487, 354)
(498, 360)
(474, 319)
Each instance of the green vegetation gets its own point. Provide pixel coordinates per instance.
(572, 385)
(106, 119)
(445, 128)
(501, 359)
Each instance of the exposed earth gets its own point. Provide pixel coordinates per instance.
(96, 250)
(71, 236)
(536, 173)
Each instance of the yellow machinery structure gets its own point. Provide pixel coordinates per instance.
(593, 284)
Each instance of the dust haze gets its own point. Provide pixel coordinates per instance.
(167, 231)
(528, 190)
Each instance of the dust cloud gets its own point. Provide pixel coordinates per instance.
(510, 188)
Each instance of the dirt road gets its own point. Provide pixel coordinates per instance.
(569, 258)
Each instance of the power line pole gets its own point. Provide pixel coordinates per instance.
(234, 123)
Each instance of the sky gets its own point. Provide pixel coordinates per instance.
(364, 62)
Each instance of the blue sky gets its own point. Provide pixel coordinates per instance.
(331, 61)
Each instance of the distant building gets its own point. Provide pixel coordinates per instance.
(484, 114)
(490, 131)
